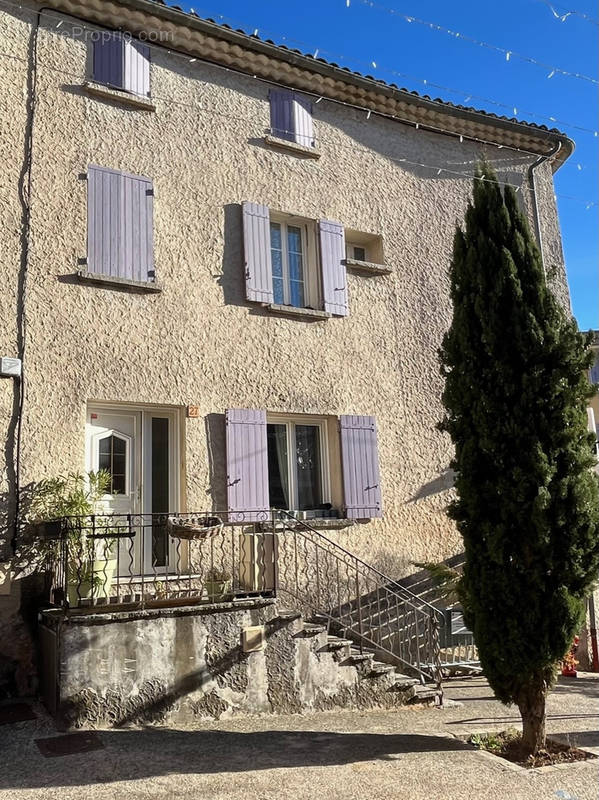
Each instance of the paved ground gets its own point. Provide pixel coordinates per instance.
(410, 754)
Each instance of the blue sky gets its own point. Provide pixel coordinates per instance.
(364, 32)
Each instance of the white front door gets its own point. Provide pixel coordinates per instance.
(138, 448)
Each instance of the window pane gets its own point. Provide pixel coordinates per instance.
(160, 488)
(278, 469)
(307, 458)
(294, 239)
(276, 253)
(296, 266)
(297, 294)
(112, 457)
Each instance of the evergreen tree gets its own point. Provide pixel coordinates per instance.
(527, 502)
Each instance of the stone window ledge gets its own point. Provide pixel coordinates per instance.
(293, 311)
(119, 283)
(109, 93)
(291, 147)
(367, 267)
(320, 523)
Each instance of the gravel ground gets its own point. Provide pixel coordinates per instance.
(412, 754)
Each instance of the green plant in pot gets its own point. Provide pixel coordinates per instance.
(68, 501)
(217, 583)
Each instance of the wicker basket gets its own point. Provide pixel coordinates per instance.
(194, 527)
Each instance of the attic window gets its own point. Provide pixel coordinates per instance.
(291, 117)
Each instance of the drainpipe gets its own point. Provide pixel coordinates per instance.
(533, 192)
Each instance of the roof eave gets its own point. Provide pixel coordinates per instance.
(374, 94)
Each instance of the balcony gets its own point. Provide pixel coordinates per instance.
(128, 561)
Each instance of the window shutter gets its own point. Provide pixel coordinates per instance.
(257, 258)
(137, 68)
(108, 60)
(303, 125)
(137, 231)
(360, 462)
(247, 465)
(334, 275)
(282, 117)
(119, 224)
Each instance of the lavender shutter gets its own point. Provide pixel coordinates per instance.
(137, 68)
(257, 257)
(304, 128)
(247, 465)
(334, 275)
(360, 462)
(137, 228)
(108, 60)
(282, 116)
(119, 224)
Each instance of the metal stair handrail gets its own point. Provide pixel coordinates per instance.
(357, 599)
(389, 582)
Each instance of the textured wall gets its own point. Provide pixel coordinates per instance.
(177, 665)
(198, 341)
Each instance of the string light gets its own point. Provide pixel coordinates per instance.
(464, 38)
(416, 126)
(452, 90)
(563, 17)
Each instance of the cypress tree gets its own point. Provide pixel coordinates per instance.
(527, 502)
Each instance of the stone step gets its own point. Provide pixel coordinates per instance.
(379, 668)
(359, 658)
(288, 615)
(425, 695)
(310, 629)
(403, 682)
(336, 643)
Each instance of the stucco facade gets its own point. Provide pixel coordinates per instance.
(198, 341)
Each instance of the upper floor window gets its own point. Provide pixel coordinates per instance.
(291, 117)
(594, 371)
(295, 262)
(121, 62)
(120, 225)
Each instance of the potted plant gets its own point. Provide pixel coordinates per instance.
(217, 584)
(57, 513)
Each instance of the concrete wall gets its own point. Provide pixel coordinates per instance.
(199, 342)
(185, 664)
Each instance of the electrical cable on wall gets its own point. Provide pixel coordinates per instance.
(467, 95)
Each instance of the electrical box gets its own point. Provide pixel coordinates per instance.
(253, 639)
(10, 367)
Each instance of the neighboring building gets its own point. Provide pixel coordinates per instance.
(225, 267)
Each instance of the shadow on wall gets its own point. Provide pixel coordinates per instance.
(151, 752)
(217, 464)
(441, 483)
(232, 278)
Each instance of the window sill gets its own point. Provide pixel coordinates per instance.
(136, 100)
(367, 267)
(320, 523)
(293, 311)
(291, 147)
(145, 287)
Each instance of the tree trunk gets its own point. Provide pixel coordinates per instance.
(532, 710)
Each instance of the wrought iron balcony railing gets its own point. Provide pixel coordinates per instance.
(138, 560)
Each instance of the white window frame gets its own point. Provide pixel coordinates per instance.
(325, 476)
(310, 259)
(350, 251)
(95, 445)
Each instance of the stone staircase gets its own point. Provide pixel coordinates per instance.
(341, 675)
